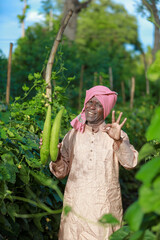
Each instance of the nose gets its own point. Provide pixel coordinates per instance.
(93, 106)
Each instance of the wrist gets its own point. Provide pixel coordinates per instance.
(117, 144)
(118, 140)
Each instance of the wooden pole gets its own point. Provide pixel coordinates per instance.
(24, 11)
(111, 78)
(50, 20)
(80, 87)
(53, 53)
(100, 80)
(145, 71)
(95, 78)
(9, 74)
(123, 92)
(132, 92)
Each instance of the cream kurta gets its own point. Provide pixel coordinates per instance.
(92, 187)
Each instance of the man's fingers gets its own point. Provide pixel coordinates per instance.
(113, 117)
(119, 118)
(59, 145)
(107, 127)
(123, 122)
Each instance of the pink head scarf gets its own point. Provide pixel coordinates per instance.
(106, 97)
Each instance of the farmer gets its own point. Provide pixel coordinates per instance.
(90, 155)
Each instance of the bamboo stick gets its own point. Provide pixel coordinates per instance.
(53, 53)
(80, 87)
(111, 78)
(132, 92)
(9, 74)
(123, 92)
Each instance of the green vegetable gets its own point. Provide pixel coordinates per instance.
(55, 135)
(44, 151)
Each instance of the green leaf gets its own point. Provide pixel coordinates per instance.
(3, 133)
(134, 216)
(153, 131)
(30, 77)
(66, 210)
(17, 98)
(149, 235)
(120, 234)
(32, 162)
(3, 189)
(24, 174)
(149, 199)
(5, 223)
(46, 181)
(146, 150)
(37, 222)
(137, 235)
(7, 157)
(10, 133)
(37, 75)
(149, 170)
(3, 208)
(153, 72)
(108, 219)
(8, 172)
(25, 88)
(12, 208)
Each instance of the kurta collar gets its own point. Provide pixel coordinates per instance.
(95, 130)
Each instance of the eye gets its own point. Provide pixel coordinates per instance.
(98, 105)
(89, 102)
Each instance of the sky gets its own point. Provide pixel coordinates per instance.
(10, 29)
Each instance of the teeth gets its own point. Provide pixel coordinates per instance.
(90, 113)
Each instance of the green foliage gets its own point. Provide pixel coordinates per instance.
(106, 21)
(29, 193)
(146, 150)
(153, 71)
(99, 45)
(108, 219)
(134, 216)
(3, 75)
(138, 118)
(153, 131)
(66, 210)
(143, 216)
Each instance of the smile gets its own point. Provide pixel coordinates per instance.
(91, 113)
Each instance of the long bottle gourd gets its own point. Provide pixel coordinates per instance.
(55, 135)
(45, 148)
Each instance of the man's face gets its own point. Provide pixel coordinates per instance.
(94, 111)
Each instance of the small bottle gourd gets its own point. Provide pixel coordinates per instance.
(55, 135)
(45, 148)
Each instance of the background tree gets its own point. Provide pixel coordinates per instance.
(76, 6)
(104, 29)
(150, 8)
(22, 17)
(105, 21)
(49, 9)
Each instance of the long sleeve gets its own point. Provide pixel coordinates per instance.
(126, 154)
(61, 167)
